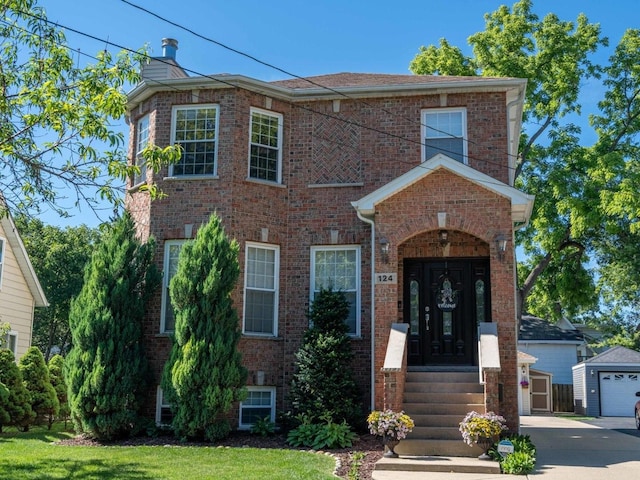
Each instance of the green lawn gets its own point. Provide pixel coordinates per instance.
(34, 455)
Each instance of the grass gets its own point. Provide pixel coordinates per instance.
(34, 455)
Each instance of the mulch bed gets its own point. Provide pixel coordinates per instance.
(368, 444)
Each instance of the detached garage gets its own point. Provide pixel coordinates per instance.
(606, 385)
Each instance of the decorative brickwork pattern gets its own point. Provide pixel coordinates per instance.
(336, 158)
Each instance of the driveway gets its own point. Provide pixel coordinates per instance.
(586, 450)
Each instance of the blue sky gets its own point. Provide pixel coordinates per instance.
(306, 38)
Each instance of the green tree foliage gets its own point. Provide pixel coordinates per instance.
(56, 375)
(106, 369)
(59, 256)
(204, 375)
(323, 385)
(35, 374)
(57, 116)
(18, 405)
(4, 405)
(582, 238)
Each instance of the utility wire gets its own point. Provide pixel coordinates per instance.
(234, 85)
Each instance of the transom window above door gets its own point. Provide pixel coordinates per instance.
(445, 131)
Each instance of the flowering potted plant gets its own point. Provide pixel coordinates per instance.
(391, 426)
(482, 429)
(524, 383)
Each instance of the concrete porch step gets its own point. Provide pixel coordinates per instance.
(437, 464)
(443, 398)
(459, 410)
(443, 433)
(443, 387)
(453, 447)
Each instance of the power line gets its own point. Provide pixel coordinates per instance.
(291, 103)
(306, 79)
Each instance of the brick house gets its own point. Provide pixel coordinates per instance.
(396, 189)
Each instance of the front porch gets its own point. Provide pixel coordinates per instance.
(437, 398)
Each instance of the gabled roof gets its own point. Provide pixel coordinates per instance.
(17, 247)
(521, 203)
(617, 355)
(539, 330)
(525, 358)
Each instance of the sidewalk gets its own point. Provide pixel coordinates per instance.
(566, 450)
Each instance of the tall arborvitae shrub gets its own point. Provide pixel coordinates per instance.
(56, 375)
(323, 383)
(19, 403)
(35, 374)
(106, 370)
(204, 375)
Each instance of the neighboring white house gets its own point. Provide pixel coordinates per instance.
(20, 290)
(555, 348)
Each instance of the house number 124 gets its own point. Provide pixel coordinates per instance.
(388, 278)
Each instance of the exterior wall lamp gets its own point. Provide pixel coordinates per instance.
(385, 246)
(501, 245)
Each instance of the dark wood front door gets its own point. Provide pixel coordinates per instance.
(443, 303)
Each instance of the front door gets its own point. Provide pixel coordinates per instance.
(443, 303)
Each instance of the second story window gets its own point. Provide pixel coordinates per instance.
(265, 147)
(445, 131)
(142, 140)
(195, 129)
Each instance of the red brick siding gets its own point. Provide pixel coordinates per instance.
(298, 217)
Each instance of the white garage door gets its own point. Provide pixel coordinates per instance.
(618, 393)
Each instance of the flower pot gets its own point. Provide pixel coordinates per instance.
(485, 443)
(390, 443)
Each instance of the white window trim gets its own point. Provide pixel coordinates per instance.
(280, 118)
(276, 285)
(141, 145)
(160, 406)
(465, 132)
(3, 242)
(312, 286)
(198, 106)
(246, 426)
(165, 282)
(12, 333)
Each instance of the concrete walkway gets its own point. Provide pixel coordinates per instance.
(567, 449)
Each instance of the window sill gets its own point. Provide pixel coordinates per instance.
(265, 182)
(164, 334)
(258, 336)
(189, 178)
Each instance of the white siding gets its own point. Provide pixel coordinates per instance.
(16, 300)
(553, 358)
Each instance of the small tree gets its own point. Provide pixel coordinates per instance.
(324, 381)
(106, 370)
(56, 375)
(18, 405)
(204, 375)
(35, 374)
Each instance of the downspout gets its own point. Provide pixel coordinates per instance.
(373, 303)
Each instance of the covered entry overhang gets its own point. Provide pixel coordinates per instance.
(521, 203)
(408, 212)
